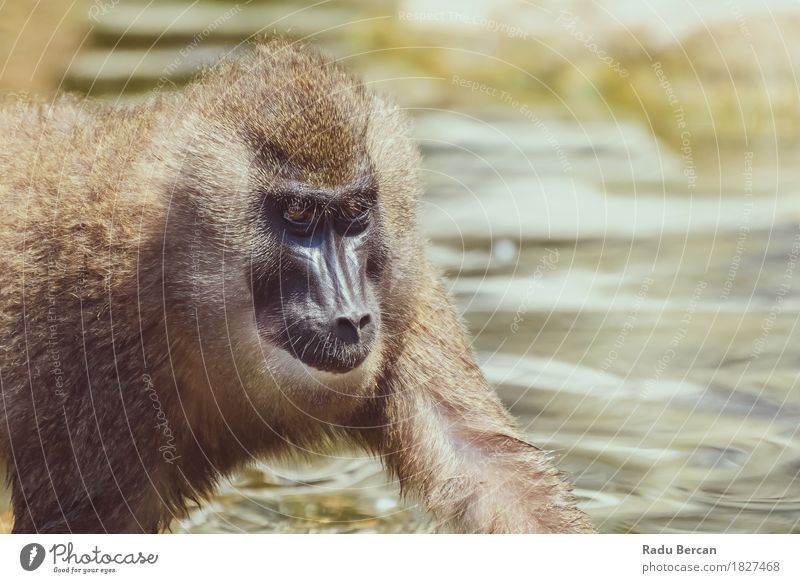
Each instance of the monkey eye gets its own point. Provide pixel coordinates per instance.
(354, 217)
(300, 216)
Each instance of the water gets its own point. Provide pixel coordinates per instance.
(636, 310)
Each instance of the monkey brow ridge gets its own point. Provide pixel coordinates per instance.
(363, 189)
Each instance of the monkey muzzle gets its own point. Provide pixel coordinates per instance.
(328, 308)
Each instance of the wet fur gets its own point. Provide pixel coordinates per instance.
(128, 248)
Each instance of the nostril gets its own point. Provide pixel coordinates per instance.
(346, 329)
(349, 328)
(345, 323)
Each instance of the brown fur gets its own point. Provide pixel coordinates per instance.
(133, 375)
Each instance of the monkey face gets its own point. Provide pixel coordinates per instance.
(321, 307)
(297, 186)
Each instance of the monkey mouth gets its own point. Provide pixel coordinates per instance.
(336, 358)
(334, 369)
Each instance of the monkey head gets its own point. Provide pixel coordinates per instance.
(294, 184)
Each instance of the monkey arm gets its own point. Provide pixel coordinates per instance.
(448, 438)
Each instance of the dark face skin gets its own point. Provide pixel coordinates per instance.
(320, 304)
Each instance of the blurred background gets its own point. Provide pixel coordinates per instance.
(612, 192)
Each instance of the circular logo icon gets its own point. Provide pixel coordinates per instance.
(31, 556)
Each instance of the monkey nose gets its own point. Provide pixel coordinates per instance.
(352, 326)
